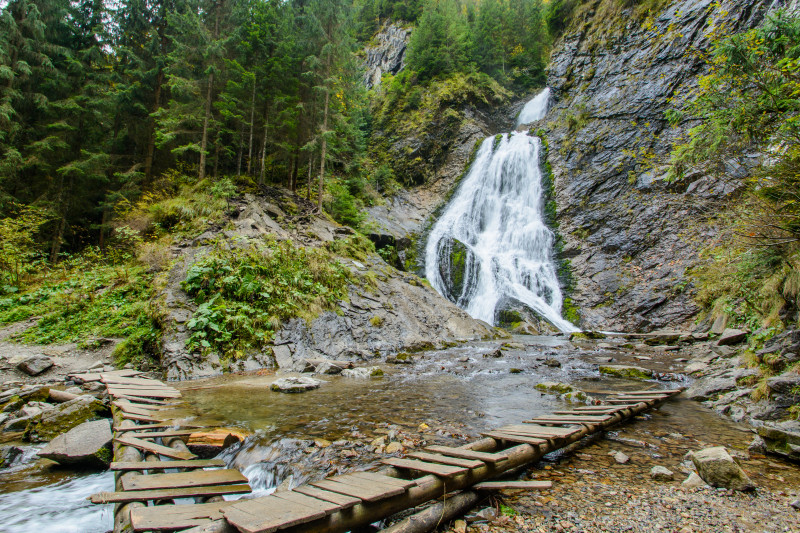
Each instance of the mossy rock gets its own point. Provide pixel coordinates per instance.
(516, 371)
(64, 417)
(586, 335)
(552, 387)
(626, 372)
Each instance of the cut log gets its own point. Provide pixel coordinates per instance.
(174, 517)
(167, 494)
(440, 470)
(60, 396)
(197, 478)
(439, 513)
(463, 453)
(163, 465)
(503, 485)
(154, 448)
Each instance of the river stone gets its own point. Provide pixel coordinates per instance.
(35, 364)
(627, 372)
(88, 444)
(393, 447)
(660, 473)
(64, 417)
(718, 469)
(731, 336)
(694, 481)
(783, 439)
(298, 384)
(620, 457)
(362, 372)
(8, 454)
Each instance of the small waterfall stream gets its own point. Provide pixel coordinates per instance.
(491, 245)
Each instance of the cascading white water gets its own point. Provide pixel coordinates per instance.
(534, 110)
(492, 244)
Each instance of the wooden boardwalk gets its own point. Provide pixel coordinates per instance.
(144, 492)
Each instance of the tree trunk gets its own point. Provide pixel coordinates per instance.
(264, 147)
(324, 150)
(206, 118)
(151, 135)
(252, 123)
(241, 150)
(308, 182)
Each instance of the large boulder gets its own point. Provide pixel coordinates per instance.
(88, 444)
(8, 454)
(298, 384)
(718, 469)
(626, 372)
(35, 364)
(731, 336)
(62, 418)
(782, 439)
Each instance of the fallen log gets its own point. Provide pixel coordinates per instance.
(437, 514)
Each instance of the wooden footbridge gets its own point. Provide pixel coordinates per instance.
(457, 475)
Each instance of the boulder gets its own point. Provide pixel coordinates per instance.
(782, 439)
(63, 417)
(627, 372)
(553, 387)
(8, 454)
(694, 481)
(718, 469)
(362, 372)
(88, 444)
(788, 384)
(660, 473)
(731, 336)
(35, 364)
(298, 384)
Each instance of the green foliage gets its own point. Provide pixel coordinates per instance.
(559, 15)
(356, 246)
(243, 295)
(18, 247)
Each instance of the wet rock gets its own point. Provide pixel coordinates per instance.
(731, 336)
(494, 353)
(485, 514)
(620, 457)
(393, 447)
(757, 446)
(660, 473)
(627, 372)
(8, 454)
(362, 372)
(718, 469)
(787, 384)
(88, 444)
(554, 387)
(295, 384)
(35, 364)
(705, 389)
(64, 417)
(694, 481)
(662, 337)
(782, 439)
(552, 363)
(460, 526)
(208, 444)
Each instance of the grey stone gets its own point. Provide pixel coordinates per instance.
(757, 445)
(35, 364)
(8, 454)
(63, 417)
(731, 336)
(387, 56)
(295, 384)
(795, 504)
(782, 439)
(788, 384)
(88, 444)
(362, 372)
(706, 389)
(660, 473)
(694, 481)
(620, 457)
(718, 469)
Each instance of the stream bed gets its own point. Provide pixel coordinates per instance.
(443, 397)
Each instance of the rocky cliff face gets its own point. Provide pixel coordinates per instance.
(629, 235)
(388, 54)
(390, 311)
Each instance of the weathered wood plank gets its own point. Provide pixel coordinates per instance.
(161, 434)
(142, 399)
(118, 380)
(658, 391)
(175, 517)
(440, 470)
(461, 453)
(501, 485)
(443, 459)
(95, 376)
(197, 478)
(162, 465)
(133, 410)
(141, 418)
(309, 501)
(534, 430)
(582, 418)
(640, 398)
(146, 393)
(154, 448)
(345, 502)
(374, 477)
(511, 437)
(162, 425)
(267, 514)
(627, 403)
(167, 494)
(369, 494)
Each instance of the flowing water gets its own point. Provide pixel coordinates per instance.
(491, 247)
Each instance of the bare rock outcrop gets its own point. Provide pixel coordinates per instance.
(388, 53)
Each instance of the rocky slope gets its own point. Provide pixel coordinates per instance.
(387, 54)
(390, 312)
(629, 234)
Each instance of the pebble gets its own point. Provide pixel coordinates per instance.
(620, 457)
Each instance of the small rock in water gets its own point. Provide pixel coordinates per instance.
(463, 359)
(693, 481)
(8, 454)
(659, 473)
(298, 384)
(496, 353)
(362, 372)
(718, 469)
(555, 363)
(393, 447)
(757, 446)
(620, 457)
(35, 364)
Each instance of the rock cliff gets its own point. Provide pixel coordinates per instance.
(387, 54)
(629, 234)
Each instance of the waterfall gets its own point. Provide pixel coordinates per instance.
(491, 244)
(535, 109)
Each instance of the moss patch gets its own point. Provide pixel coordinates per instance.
(626, 372)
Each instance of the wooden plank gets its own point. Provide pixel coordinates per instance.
(502, 485)
(640, 398)
(267, 514)
(135, 389)
(167, 494)
(162, 425)
(374, 477)
(95, 376)
(443, 459)
(162, 434)
(154, 448)
(599, 408)
(123, 403)
(534, 430)
(118, 380)
(372, 494)
(133, 410)
(198, 478)
(141, 418)
(608, 411)
(146, 393)
(445, 471)
(343, 501)
(142, 399)
(580, 417)
(362, 482)
(161, 465)
(175, 517)
(463, 453)
(627, 403)
(659, 391)
(510, 437)
(309, 501)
